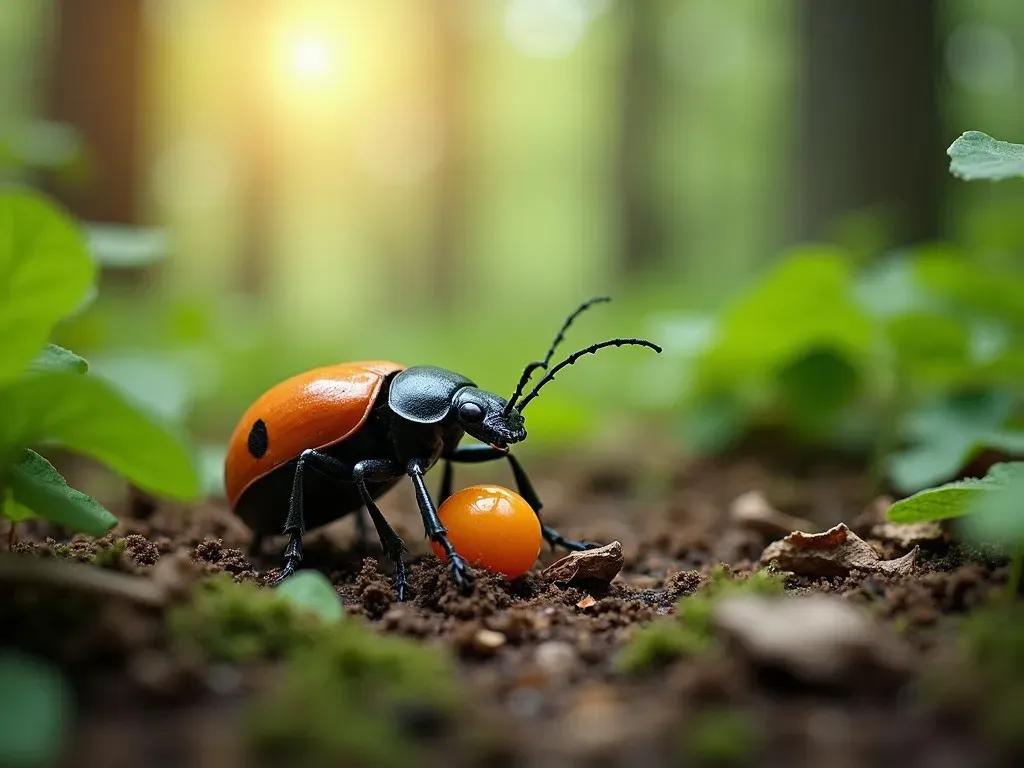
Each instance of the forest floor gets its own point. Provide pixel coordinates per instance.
(538, 660)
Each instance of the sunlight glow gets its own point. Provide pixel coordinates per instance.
(311, 58)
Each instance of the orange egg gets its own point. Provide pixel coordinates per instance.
(492, 528)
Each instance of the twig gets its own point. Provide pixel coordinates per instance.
(26, 569)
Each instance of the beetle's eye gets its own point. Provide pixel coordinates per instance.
(471, 413)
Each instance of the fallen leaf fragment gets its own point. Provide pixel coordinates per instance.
(752, 510)
(835, 552)
(817, 639)
(601, 564)
(586, 602)
(908, 534)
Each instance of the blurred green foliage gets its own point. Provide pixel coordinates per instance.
(35, 711)
(47, 395)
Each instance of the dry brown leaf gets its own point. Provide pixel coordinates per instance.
(586, 602)
(601, 564)
(752, 510)
(835, 552)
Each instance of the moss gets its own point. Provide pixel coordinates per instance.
(347, 695)
(238, 622)
(109, 557)
(355, 698)
(720, 737)
(691, 632)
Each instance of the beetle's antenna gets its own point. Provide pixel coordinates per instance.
(577, 355)
(531, 367)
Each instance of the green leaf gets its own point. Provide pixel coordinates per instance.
(35, 711)
(930, 346)
(805, 303)
(998, 517)
(976, 155)
(14, 511)
(54, 358)
(37, 485)
(311, 591)
(45, 272)
(88, 415)
(815, 386)
(957, 498)
(945, 434)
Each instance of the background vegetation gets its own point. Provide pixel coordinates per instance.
(762, 187)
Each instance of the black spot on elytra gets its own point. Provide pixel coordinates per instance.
(258, 440)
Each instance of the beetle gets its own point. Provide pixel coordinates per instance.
(324, 443)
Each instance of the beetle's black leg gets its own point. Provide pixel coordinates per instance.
(295, 523)
(461, 574)
(390, 541)
(474, 454)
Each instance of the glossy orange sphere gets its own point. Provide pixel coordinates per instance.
(492, 528)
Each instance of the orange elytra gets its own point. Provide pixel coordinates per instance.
(492, 527)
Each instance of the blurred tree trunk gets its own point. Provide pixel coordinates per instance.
(256, 130)
(96, 86)
(642, 233)
(445, 255)
(870, 131)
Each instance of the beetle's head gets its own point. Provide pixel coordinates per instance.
(486, 417)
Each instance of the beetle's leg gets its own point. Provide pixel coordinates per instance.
(461, 574)
(295, 523)
(475, 454)
(390, 542)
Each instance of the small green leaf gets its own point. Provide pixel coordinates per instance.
(45, 272)
(37, 485)
(956, 498)
(976, 155)
(35, 710)
(311, 591)
(14, 511)
(54, 358)
(89, 416)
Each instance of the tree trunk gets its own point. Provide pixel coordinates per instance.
(869, 133)
(96, 86)
(642, 232)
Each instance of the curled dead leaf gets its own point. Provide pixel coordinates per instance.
(601, 564)
(586, 602)
(835, 552)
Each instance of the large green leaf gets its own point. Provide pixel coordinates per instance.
(54, 358)
(957, 498)
(805, 304)
(976, 155)
(37, 485)
(45, 272)
(89, 416)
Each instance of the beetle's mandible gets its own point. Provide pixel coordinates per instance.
(327, 442)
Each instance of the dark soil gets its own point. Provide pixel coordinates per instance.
(550, 695)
